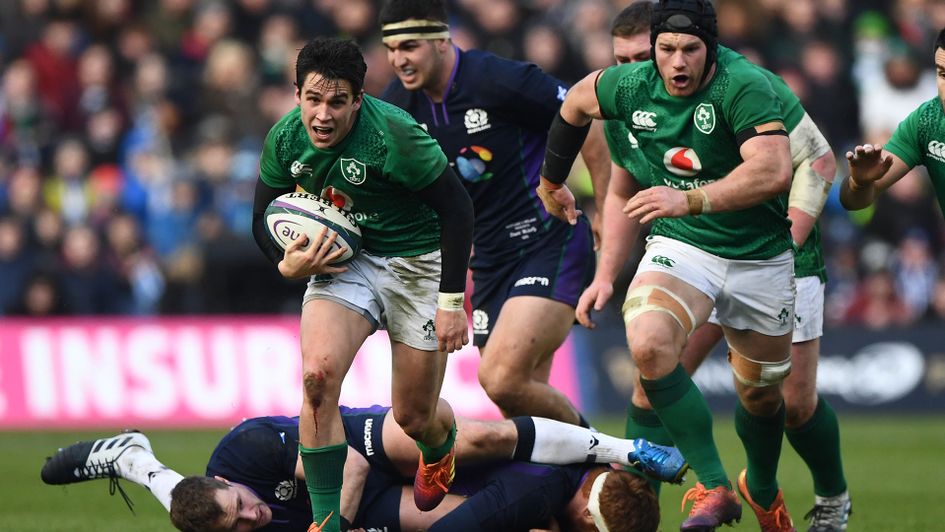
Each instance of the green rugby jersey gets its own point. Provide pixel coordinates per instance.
(689, 142)
(373, 172)
(920, 140)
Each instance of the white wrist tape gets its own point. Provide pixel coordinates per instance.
(450, 301)
(809, 190)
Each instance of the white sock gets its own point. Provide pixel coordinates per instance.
(563, 443)
(143, 468)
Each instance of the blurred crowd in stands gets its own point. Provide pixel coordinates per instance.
(130, 133)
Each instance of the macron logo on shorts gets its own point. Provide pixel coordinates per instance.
(368, 444)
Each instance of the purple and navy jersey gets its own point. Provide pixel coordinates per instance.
(516, 496)
(492, 125)
(261, 454)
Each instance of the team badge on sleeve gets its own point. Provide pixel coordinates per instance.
(704, 117)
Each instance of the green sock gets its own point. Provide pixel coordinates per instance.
(685, 414)
(432, 455)
(818, 443)
(644, 423)
(324, 468)
(761, 437)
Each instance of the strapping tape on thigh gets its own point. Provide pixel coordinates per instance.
(652, 298)
(757, 373)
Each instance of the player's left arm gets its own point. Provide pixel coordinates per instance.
(448, 197)
(809, 191)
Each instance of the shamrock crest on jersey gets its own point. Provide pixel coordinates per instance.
(704, 118)
(353, 170)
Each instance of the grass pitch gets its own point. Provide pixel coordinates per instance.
(893, 466)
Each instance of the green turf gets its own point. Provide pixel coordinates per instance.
(893, 466)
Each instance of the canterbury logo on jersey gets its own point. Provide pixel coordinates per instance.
(937, 150)
(682, 161)
(297, 169)
(645, 120)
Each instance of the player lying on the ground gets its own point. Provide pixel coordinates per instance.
(258, 482)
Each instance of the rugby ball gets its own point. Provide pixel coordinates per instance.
(296, 213)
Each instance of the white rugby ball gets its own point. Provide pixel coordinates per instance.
(296, 213)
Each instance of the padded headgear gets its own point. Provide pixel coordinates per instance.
(694, 17)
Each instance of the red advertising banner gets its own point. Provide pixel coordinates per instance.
(194, 372)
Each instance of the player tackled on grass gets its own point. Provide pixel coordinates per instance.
(811, 425)
(491, 116)
(711, 132)
(256, 481)
(918, 141)
(373, 160)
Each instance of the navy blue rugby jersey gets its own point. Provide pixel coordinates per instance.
(261, 454)
(516, 496)
(492, 125)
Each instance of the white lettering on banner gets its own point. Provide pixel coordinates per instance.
(273, 366)
(193, 372)
(207, 371)
(92, 380)
(878, 373)
(40, 380)
(152, 390)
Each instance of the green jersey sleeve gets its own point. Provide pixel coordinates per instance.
(414, 159)
(751, 101)
(271, 169)
(905, 142)
(606, 90)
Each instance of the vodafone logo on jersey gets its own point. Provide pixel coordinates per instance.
(682, 161)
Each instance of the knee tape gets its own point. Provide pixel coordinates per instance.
(756, 373)
(651, 298)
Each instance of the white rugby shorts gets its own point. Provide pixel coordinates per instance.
(808, 310)
(393, 293)
(756, 295)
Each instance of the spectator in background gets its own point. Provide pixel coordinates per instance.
(40, 297)
(915, 272)
(876, 304)
(821, 66)
(906, 206)
(128, 80)
(89, 284)
(54, 61)
(136, 264)
(937, 314)
(891, 94)
(16, 262)
(25, 122)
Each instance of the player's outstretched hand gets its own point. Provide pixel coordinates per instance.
(559, 202)
(595, 296)
(452, 329)
(297, 262)
(867, 164)
(657, 202)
